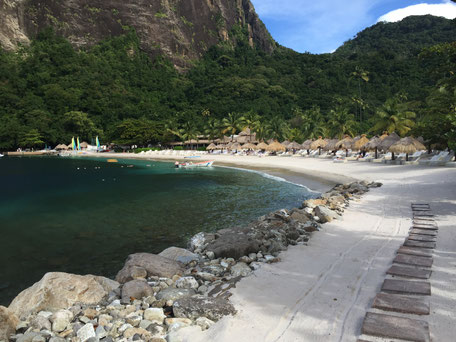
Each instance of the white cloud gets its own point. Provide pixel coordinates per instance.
(446, 9)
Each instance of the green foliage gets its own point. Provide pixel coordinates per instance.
(161, 15)
(178, 148)
(31, 138)
(116, 91)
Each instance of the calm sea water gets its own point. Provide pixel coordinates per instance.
(85, 216)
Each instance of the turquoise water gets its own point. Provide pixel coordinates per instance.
(85, 216)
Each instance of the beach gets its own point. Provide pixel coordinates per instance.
(321, 292)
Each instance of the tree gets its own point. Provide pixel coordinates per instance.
(360, 75)
(137, 131)
(189, 131)
(341, 122)
(277, 128)
(213, 129)
(232, 124)
(393, 116)
(78, 123)
(31, 138)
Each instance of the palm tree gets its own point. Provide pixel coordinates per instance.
(232, 124)
(360, 75)
(312, 123)
(189, 131)
(276, 128)
(213, 129)
(394, 117)
(341, 122)
(251, 119)
(260, 128)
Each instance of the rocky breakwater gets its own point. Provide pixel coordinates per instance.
(153, 296)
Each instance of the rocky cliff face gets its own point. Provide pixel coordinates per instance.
(181, 29)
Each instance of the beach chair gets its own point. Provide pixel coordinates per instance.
(434, 159)
(444, 158)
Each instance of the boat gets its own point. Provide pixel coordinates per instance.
(1, 155)
(198, 164)
(112, 160)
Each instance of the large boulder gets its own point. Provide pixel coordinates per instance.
(300, 215)
(325, 214)
(57, 290)
(233, 245)
(198, 306)
(8, 322)
(174, 294)
(136, 289)
(155, 265)
(181, 255)
(312, 203)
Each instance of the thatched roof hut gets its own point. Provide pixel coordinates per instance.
(319, 143)
(358, 144)
(388, 141)
(276, 147)
(286, 143)
(306, 144)
(293, 146)
(262, 146)
(345, 143)
(249, 146)
(331, 145)
(373, 145)
(235, 146)
(61, 147)
(384, 135)
(211, 147)
(84, 144)
(407, 145)
(220, 147)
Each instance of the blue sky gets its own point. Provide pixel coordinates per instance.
(320, 26)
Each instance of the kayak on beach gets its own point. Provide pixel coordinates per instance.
(191, 164)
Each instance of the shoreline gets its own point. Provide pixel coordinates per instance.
(326, 299)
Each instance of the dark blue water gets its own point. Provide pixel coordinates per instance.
(85, 216)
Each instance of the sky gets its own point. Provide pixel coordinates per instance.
(320, 26)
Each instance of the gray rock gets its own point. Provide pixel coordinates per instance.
(56, 339)
(40, 323)
(174, 294)
(86, 332)
(181, 255)
(311, 226)
(155, 315)
(39, 338)
(28, 336)
(198, 306)
(325, 214)
(135, 289)
(155, 265)
(137, 272)
(300, 215)
(206, 276)
(240, 269)
(187, 283)
(204, 323)
(216, 270)
(101, 332)
(233, 245)
(61, 319)
(210, 255)
(199, 240)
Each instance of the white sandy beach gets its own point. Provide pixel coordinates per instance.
(322, 291)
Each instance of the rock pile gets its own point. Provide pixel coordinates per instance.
(156, 295)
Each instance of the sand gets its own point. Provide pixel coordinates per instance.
(322, 291)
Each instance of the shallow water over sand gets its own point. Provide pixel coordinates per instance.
(85, 216)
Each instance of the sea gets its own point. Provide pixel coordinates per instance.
(85, 215)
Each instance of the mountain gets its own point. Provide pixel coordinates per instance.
(182, 30)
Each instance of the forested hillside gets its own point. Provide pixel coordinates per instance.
(392, 76)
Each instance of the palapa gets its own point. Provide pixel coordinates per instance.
(235, 146)
(286, 143)
(331, 145)
(373, 145)
(211, 147)
(406, 145)
(306, 144)
(388, 141)
(319, 143)
(262, 146)
(84, 144)
(249, 146)
(358, 144)
(276, 147)
(294, 146)
(384, 135)
(220, 147)
(345, 143)
(61, 147)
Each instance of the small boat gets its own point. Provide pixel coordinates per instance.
(1, 155)
(112, 160)
(191, 164)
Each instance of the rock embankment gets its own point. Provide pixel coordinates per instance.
(156, 295)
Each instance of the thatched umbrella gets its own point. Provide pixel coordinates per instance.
(293, 146)
(249, 146)
(235, 146)
(388, 141)
(211, 147)
(220, 147)
(84, 144)
(345, 144)
(306, 145)
(286, 143)
(373, 145)
(331, 145)
(276, 147)
(61, 147)
(319, 143)
(262, 146)
(358, 144)
(406, 145)
(384, 135)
